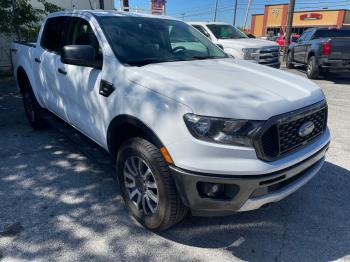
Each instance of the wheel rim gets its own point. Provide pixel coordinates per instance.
(309, 67)
(29, 107)
(140, 185)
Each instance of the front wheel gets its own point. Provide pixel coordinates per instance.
(147, 187)
(312, 68)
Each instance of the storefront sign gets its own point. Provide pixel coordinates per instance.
(311, 16)
(158, 7)
(276, 12)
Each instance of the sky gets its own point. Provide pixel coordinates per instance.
(203, 10)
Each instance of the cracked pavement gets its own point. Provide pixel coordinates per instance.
(60, 203)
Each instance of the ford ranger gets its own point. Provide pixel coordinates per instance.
(189, 127)
(239, 45)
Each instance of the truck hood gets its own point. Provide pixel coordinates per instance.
(228, 87)
(245, 43)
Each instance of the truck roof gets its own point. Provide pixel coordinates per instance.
(208, 23)
(109, 13)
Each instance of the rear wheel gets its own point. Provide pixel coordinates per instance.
(33, 110)
(312, 68)
(147, 187)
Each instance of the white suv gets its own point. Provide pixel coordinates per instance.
(239, 45)
(189, 127)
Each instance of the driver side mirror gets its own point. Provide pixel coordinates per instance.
(80, 55)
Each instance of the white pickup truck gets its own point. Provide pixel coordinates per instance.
(189, 127)
(237, 44)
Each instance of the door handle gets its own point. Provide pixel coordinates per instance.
(37, 60)
(13, 50)
(61, 71)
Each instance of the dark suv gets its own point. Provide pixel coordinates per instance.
(321, 50)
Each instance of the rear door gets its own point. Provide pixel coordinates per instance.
(301, 46)
(47, 60)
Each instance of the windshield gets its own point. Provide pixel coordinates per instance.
(332, 33)
(143, 40)
(226, 31)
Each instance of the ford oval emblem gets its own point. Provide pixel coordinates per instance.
(306, 129)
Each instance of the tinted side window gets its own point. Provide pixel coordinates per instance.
(81, 33)
(304, 36)
(202, 30)
(54, 33)
(332, 33)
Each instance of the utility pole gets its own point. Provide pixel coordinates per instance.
(125, 5)
(216, 10)
(246, 14)
(183, 16)
(291, 8)
(235, 13)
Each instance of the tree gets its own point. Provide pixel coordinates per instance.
(19, 18)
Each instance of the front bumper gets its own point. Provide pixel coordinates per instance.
(244, 193)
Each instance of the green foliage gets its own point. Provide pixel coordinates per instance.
(19, 18)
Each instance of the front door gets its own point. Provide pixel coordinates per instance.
(80, 85)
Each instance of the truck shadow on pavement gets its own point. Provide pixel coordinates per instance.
(311, 225)
(338, 78)
(58, 203)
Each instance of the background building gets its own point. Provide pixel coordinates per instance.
(274, 20)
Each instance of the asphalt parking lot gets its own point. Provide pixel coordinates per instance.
(59, 201)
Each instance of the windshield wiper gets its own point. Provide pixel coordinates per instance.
(148, 61)
(204, 57)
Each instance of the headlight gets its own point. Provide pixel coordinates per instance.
(222, 130)
(251, 53)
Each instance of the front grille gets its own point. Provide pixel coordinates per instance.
(281, 136)
(269, 55)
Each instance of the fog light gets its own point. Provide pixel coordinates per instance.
(211, 190)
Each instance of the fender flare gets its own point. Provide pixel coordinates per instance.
(117, 126)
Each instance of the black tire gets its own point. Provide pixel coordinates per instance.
(169, 210)
(289, 61)
(312, 68)
(33, 111)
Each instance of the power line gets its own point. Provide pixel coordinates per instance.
(224, 9)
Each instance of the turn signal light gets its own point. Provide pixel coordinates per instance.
(166, 155)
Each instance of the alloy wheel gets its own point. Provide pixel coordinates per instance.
(140, 185)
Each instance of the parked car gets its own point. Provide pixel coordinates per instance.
(239, 45)
(321, 49)
(189, 127)
(281, 39)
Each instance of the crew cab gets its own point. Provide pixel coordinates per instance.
(321, 50)
(239, 45)
(189, 127)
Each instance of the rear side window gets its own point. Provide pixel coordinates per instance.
(332, 33)
(54, 34)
